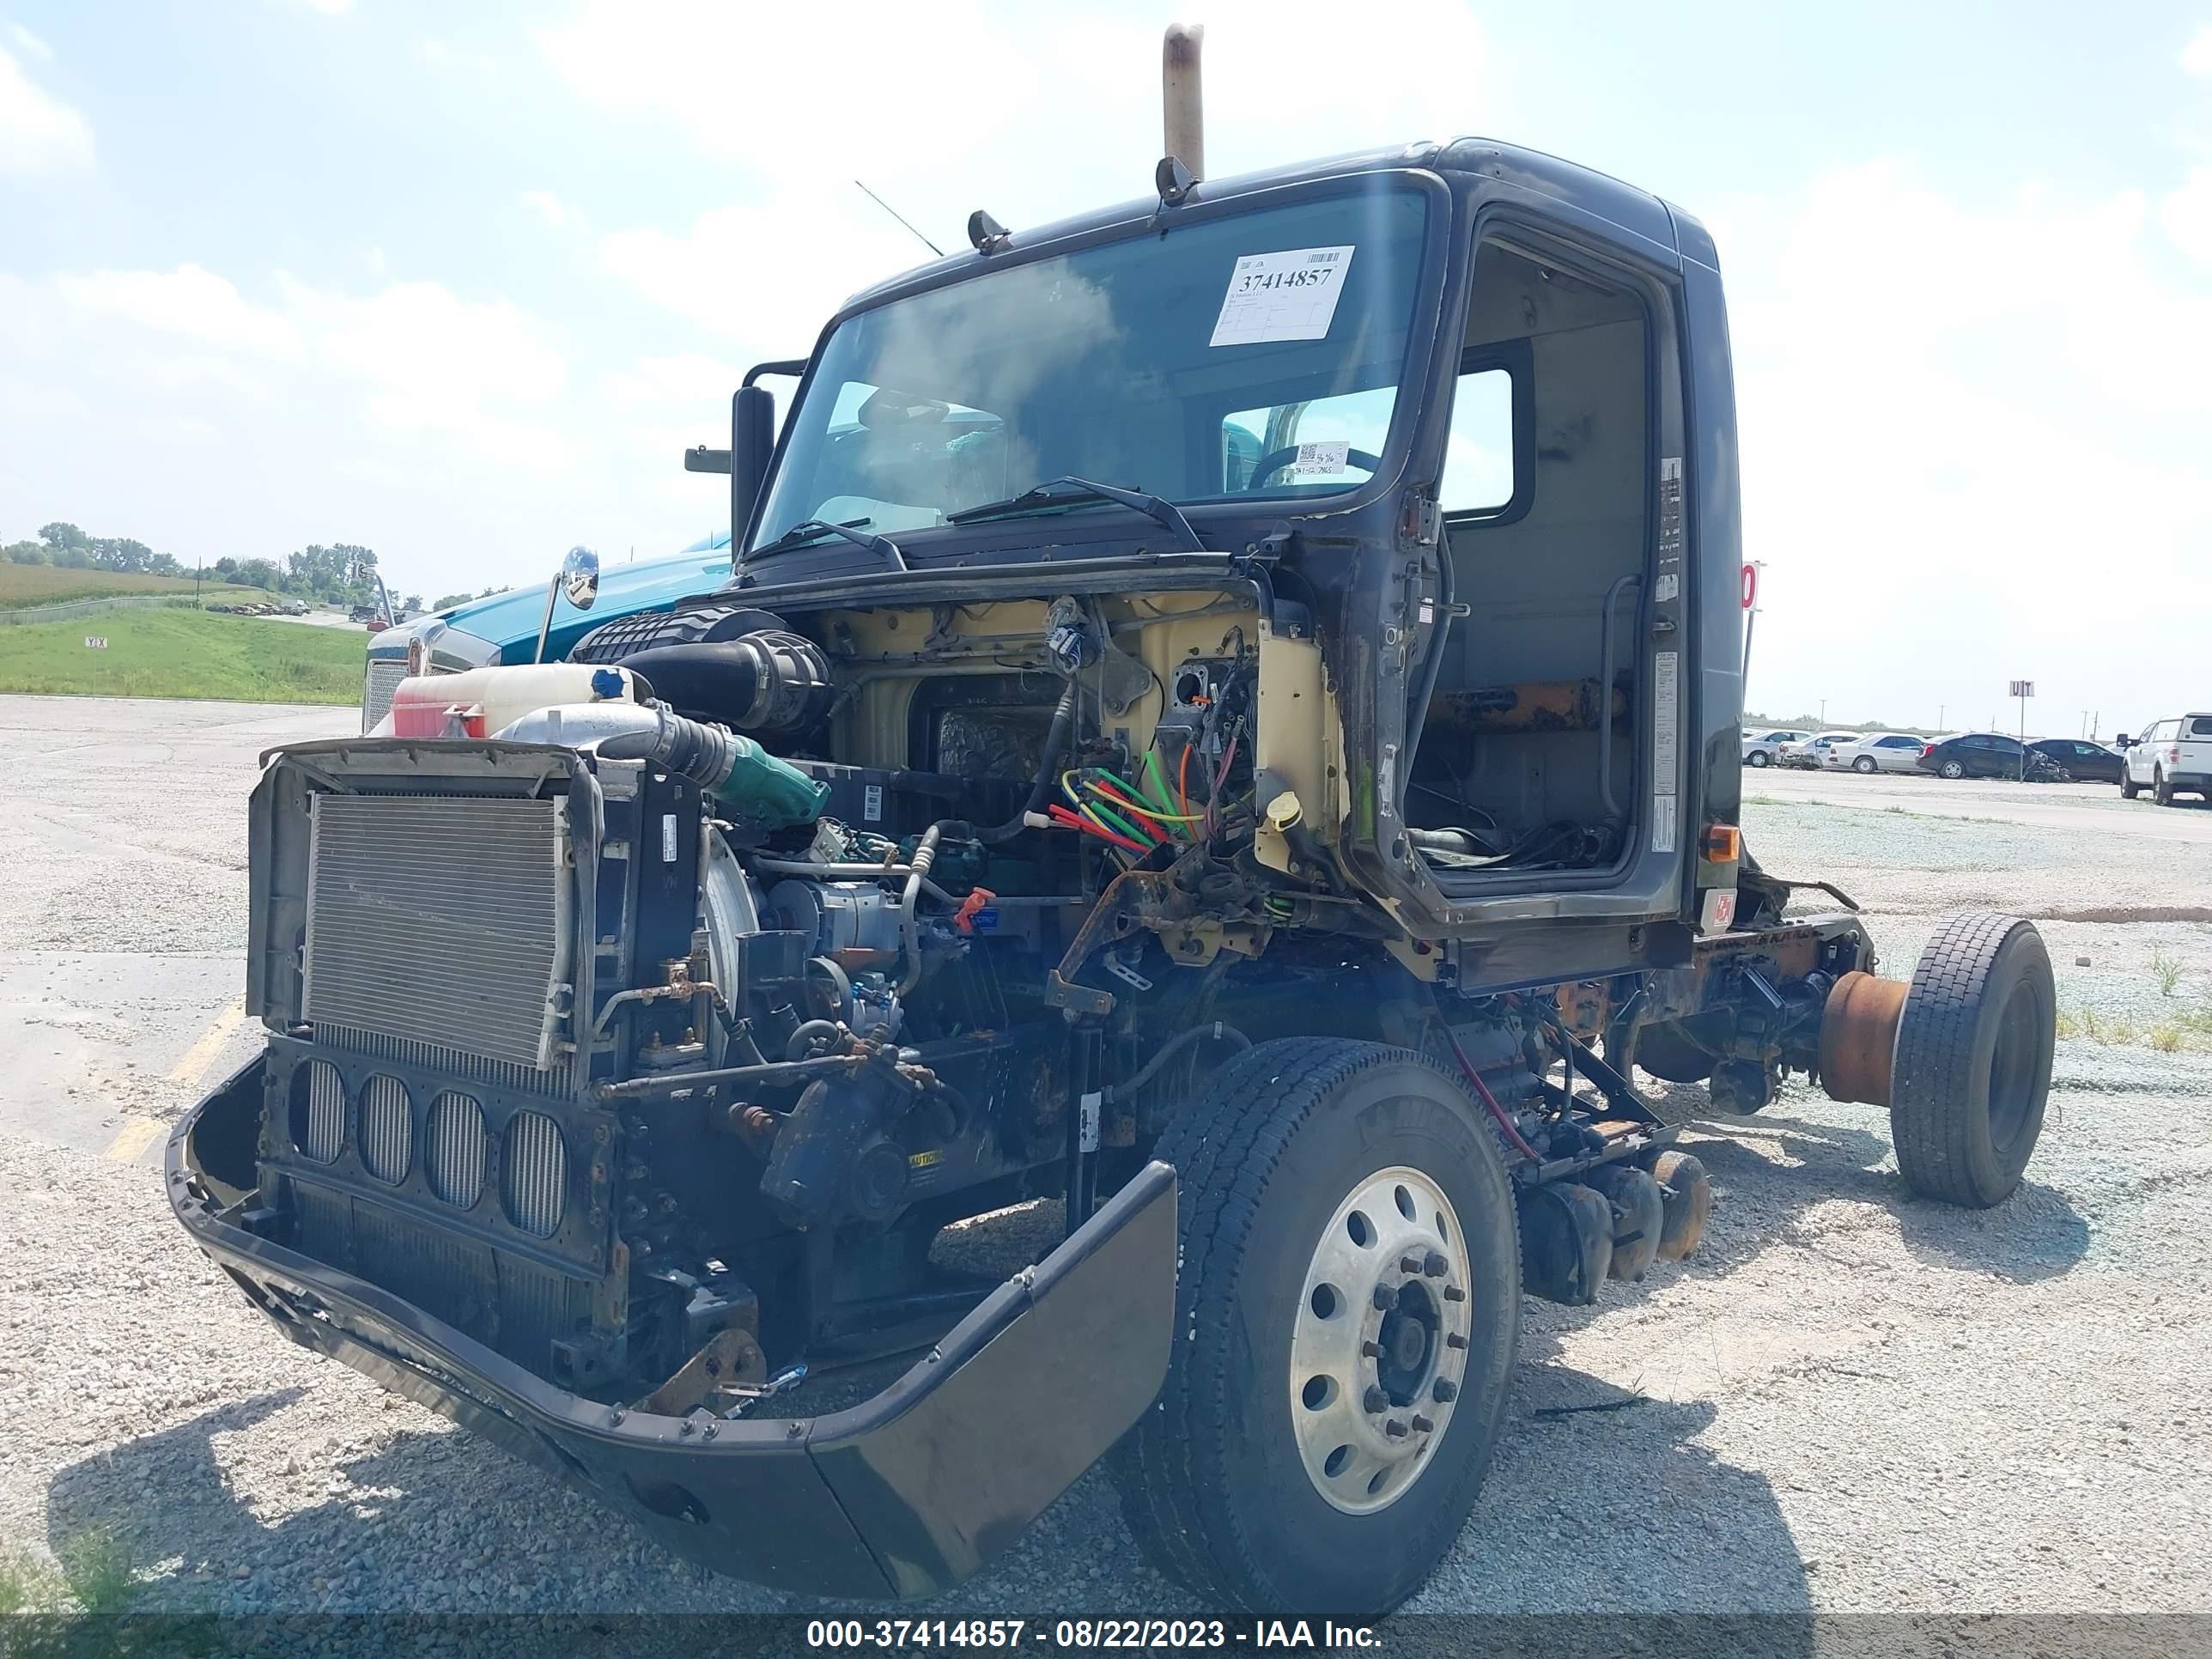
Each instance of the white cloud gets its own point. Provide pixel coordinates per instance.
(2187, 215)
(438, 428)
(2197, 55)
(38, 133)
(1964, 445)
(31, 45)
(556, 213)
(736, 273)
(188, 303)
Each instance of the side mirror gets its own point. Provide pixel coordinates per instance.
(752, 442)
(2124, 741)
(579, 577)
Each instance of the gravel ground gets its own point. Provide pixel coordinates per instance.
(1855, 1400)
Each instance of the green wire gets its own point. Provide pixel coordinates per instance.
(1158, 776)
(1121, 823)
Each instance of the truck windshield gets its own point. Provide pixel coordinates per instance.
(1257, 355)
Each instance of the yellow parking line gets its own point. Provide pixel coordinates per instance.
(190, 1071)
(137, 1136)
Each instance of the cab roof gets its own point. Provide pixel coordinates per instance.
(1624, 205)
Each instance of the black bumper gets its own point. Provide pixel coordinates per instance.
(904, 1495)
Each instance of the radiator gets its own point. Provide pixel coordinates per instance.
(442, 920)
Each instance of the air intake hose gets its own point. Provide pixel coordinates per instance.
(766, 792)
(769, 680)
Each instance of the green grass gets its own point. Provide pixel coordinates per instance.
(2190, 1029)
(93, 1574)
(45, 583)
(2165, 969)
(183, 654)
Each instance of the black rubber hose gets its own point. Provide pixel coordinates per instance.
(1174, 1046)
(1055, 746)
(735, 681)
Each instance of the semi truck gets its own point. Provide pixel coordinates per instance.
(1224, 729)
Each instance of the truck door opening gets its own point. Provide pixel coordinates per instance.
(1529, 754)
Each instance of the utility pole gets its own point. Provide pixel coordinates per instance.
(1940, 708)
(1824, 711)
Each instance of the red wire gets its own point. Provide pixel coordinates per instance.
(1129, 807)
(1074, 821)
(1490, 1100)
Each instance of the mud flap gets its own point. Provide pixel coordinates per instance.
(943, 1470)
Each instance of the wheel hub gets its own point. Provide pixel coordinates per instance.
(1380, 1346)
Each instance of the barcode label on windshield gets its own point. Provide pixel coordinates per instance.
(1291, 296)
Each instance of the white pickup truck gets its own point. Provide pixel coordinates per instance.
(2171, 756)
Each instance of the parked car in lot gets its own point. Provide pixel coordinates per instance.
(1879, 752)
(1987, 755)
(2172, 756)
(1765, 748)
(2083, 761)
(1811, 754)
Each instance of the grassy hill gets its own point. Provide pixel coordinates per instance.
(183, 652)
(45, 583)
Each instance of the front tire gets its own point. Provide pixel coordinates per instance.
(1973, 1066)
(2128, 789)
(2161, 792)
(1320, 1180)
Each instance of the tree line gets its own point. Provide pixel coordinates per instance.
(341, 575)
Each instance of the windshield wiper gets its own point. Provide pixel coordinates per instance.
(813, 530)
(1062, 492)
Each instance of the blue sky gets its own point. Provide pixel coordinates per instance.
(462, 282)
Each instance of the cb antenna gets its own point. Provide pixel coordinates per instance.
(901, 217)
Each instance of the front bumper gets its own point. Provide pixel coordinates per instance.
(906, 1494)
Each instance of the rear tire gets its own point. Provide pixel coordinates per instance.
(1951, 768)
(1972, 1069)
(1863, 763)
(1220, 1480)
(1758, 758)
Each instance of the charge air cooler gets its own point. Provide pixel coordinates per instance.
(439, 923)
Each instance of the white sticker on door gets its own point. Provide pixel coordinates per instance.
(1322, 458)
(1291, 296)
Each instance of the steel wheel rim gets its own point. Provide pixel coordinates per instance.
(1357, 1366)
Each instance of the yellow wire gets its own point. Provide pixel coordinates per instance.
(1153, 813)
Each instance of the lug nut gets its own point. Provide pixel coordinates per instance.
(1371, 1350)
(1454, 1339)
(1376, 1400)
(1395, 1428)
(1422, 1425)
(1385, 1298)
(1453, 1293)
(1435, 1265)
(1407, 1264)
(1445, 1391)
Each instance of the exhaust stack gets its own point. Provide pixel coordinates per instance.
(1183, 96)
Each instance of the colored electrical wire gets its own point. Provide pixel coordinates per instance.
(1148, 818)
(1182, 782)
(1156, 776)
(1121, 823)
(1092, 827)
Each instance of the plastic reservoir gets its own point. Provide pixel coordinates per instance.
(486, 701)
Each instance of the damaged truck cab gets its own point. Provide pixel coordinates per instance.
(1224, 721)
